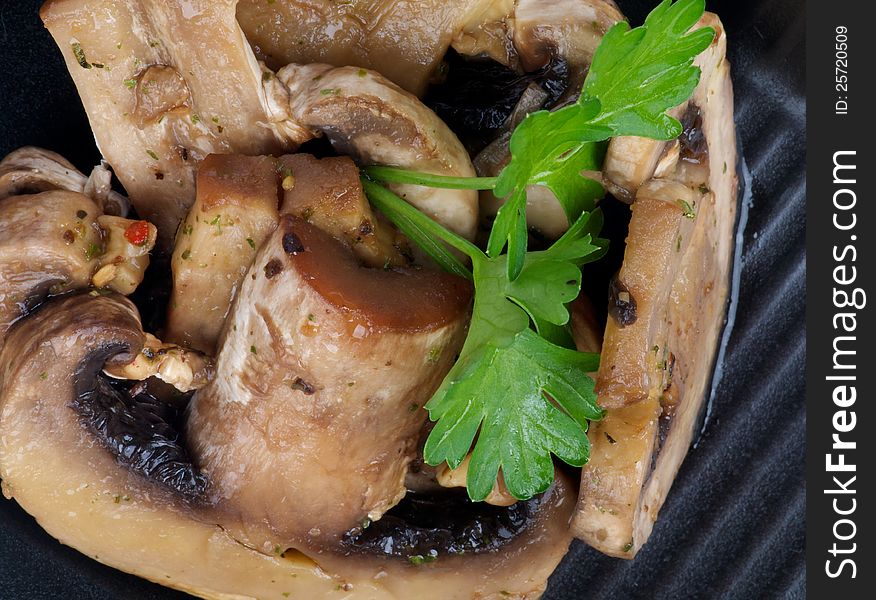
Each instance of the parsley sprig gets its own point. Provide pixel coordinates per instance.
(518, 393)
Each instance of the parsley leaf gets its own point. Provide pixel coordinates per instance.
(518, 394)
(636, 76)
(516, 436)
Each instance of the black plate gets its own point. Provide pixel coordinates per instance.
(733, 525)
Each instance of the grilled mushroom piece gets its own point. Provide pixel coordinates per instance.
(235, 211)
(544, 31)
(57, 241)
(667, 311)
(155, 135)
(320, 353)
(103, 466)
(30, 170)
(630, 162)
(366, 116)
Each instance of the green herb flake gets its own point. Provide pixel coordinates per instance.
(251, 243)
(419, 559)
(285, 594)
(152, 154)
(215, 120)
(119, 46)
(130, 83)
(195, 119)
(434, 354)
(187, 254)
(628, 546)
(79, 53)
(329, 92)
(187, 229)
(253, 350)
(92, 251)
(687, 210)
(44, 375)
(267, 76)
(362, 73)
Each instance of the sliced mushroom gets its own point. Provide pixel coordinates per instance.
(569, 28)
(235, 211)
(101, 468)
(57, 241)
(655, 395)
(405, 41)
(328, 193)
(318, 355)
(368, 117)
(154, 77)
(633, 359)
(29, 170)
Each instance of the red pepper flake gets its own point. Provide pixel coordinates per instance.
(137, 233)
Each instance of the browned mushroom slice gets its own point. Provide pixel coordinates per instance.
(655, 395)
(29, 170)
(366, 116)
(155, 78)
(100, 465)
(633, 358)
(318, 355)
(405, 41)
(328, 193)
(631, 161)
(235, 211)
(568, 28)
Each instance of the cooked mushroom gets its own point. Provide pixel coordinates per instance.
(53, 242)
(367, 117)
(235, 211)
(657, 359)
(324, 352)
(569, 28)
(328, 193)
(102, 467)
(154, 135)
(29, 170)
(405, 41)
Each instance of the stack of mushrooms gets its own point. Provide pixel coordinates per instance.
(262, 438)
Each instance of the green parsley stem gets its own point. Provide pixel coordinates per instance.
(397, 175)
(422, 230)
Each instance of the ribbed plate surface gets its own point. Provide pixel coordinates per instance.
(733, 525)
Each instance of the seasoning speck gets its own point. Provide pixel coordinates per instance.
(152, 154)
(79, 53)
(273, 268)
(253, 350)
(251, 243)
